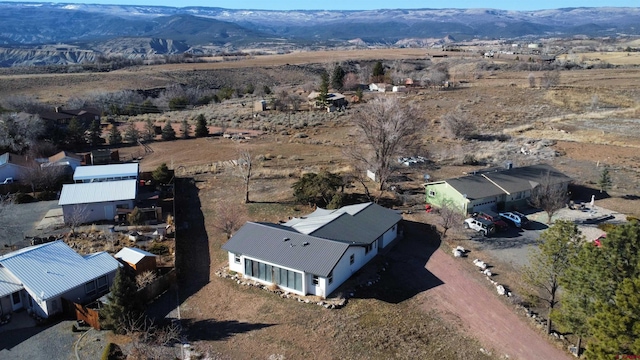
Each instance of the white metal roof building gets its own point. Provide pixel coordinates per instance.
(97, 192)
(52, 271)
(90, 202)
(132, 255)
(97, 173)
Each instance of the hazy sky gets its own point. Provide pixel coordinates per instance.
(371, 4)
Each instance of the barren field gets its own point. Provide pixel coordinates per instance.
(587, 121)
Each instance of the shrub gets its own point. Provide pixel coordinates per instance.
(46, 196)
(21, 198)
(606, 227)
(159, 249)
(632, 218)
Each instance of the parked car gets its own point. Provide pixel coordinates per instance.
(484, 227)
(500, 224)
(517, 219)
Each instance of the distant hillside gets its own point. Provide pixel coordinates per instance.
(92, 28)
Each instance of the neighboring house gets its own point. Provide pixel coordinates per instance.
(102, 157)
(84, 203)
(62, 117)
(380, 87)
(503, 189)
(333, 99)
(37, 278)
(63, 158)
(316, 253)
(100, 173)
(138, 259)
(13, 166)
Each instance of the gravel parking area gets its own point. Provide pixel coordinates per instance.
(514, 245)
(20, 220)
(52, 342)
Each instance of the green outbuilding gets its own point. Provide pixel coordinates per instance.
(496, 189)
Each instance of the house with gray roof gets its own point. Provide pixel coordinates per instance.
(493, 189)
(37, 278)
(313, 254)
(96, 201)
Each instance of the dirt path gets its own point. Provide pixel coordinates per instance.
(482, 314)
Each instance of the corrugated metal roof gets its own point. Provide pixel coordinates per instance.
(266, 242)
(8, 283)
(51, 269)
(97, 192)
(132, 255)
(359, 223)
(474, 187)
(104, 171)
(526, 177)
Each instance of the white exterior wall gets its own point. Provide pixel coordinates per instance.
(95, 211)
(390, 235)
(239, 268)
(344, 269)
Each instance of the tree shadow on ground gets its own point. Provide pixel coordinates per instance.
(192, 241)
(404, 274)
(211, 330)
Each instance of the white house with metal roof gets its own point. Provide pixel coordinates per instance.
(39, 277)
(96, 201)
(313, 254)
(99, 173)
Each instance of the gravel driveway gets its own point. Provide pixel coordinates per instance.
(21, 220)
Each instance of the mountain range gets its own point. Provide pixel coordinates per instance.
(27, 30)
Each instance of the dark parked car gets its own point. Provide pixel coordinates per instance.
(500, 224)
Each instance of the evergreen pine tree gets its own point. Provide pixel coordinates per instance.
(149, 132)
(122, 304)
(324, 89)
(201, 126)
(337, 78)
(131, 134)
(75, 134)
(94, 133)
(378, 72)
(167, 132)
(115, 137)
(184, 129)
(605, 180)
(161, 174)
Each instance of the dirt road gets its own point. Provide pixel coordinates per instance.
(482, 314)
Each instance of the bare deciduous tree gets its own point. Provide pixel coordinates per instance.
(243, 170)
(532, 80)
(44, 177)
(76, 217)
(350, 82)
(229, 216)
(387, 129)
(19, 131)
(550, 79)
(145, 279)
(449, 216)
(549, 196)
(457, 125)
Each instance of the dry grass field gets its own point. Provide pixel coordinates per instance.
(589, 120)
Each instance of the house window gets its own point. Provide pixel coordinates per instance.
(315, 280)
(103, 284)
(90, 288)
(367, 249)
(432, 193)
(352, 259)
(330, 278)
(236, 259)
(15, 297)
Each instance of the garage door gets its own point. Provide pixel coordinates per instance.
(487, 204)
